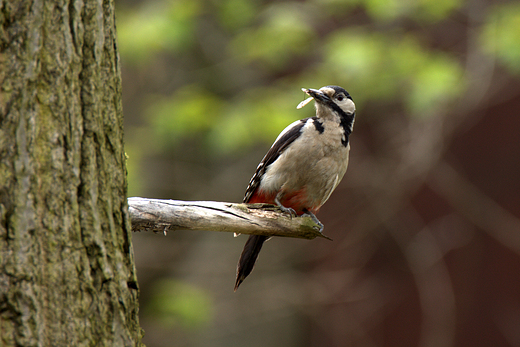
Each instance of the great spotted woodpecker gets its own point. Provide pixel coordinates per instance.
(303, 166)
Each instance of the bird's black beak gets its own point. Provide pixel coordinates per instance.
(317, 95)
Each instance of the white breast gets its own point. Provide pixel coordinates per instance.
(314, 162)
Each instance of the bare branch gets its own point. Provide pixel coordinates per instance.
(259, 219)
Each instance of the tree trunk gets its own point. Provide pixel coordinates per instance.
(67, 275)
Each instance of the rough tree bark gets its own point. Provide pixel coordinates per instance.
(67, 275)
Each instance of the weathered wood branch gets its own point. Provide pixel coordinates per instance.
(260, 219)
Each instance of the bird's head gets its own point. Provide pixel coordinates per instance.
(330, 101)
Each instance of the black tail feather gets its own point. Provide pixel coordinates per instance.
(247, 260)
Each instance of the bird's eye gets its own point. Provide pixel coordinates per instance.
(340, 98)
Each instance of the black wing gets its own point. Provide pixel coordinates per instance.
(290, 134)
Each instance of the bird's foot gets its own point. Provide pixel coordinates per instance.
(315, 220)
(290, 211)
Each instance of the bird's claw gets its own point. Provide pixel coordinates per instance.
(320, 226)
(315, 220)
(290, 211)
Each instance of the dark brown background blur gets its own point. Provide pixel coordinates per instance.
(426, 223)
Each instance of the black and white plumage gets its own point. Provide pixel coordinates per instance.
(303, 166)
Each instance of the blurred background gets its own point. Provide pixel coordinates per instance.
(426, 223)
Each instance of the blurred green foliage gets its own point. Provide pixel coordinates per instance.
(178, 304)
(394, 68)
(191, 110)
(156, 26)
(501, 35)
(230, 71)
(284, 34)
(420, 10)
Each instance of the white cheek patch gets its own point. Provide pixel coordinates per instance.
(304, 102)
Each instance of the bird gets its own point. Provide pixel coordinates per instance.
(303, 166)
